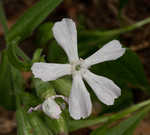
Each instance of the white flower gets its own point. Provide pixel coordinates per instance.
(50, 107)
(107, 91)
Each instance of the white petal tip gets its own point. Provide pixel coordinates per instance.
(80, 105)
(123, 50)
(79, 116)
(111, 51)
(105, 89)
(65, 34)
(50, 71)
(109, 103)
(36, 70)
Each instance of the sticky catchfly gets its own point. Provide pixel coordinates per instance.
(106, 90)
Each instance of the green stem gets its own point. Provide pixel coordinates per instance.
(22, 55)
(15, 61)
(99, 33)
(74, 125)
(133, 27)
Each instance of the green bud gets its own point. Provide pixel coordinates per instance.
(63, 86)
(37, 55)
(43, 89)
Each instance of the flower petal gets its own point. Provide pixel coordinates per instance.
(80, 105)
(66, 35)
(111, 51)
(50, 71)
(105, 89)
(51, 108)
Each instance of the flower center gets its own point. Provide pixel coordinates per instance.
(77, 67)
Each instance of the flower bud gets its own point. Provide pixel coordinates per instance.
(51, 108)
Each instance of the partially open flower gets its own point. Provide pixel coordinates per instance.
(106, 90)
(50, 107)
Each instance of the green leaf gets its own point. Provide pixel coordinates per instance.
(23, 123)
(39, 128)
(128, 69)
(101, 130)
(11, 85)
(13, 55)
(18, 51)
(56, 53)
(29, 100)
(58, 126)
(126, 127)
(44, 34)
(74, 125)
(31, 19)
(3, 19)
(17, 81)
(7, 99)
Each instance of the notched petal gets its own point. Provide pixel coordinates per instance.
(66, 35)
(50, 71)
(80, 105)
(105, 89)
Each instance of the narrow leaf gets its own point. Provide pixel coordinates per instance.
(23, 123)
(3, 19)
(39, 128)
(7, 99)
(74, 125)
(32, 18)
(126, 127)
